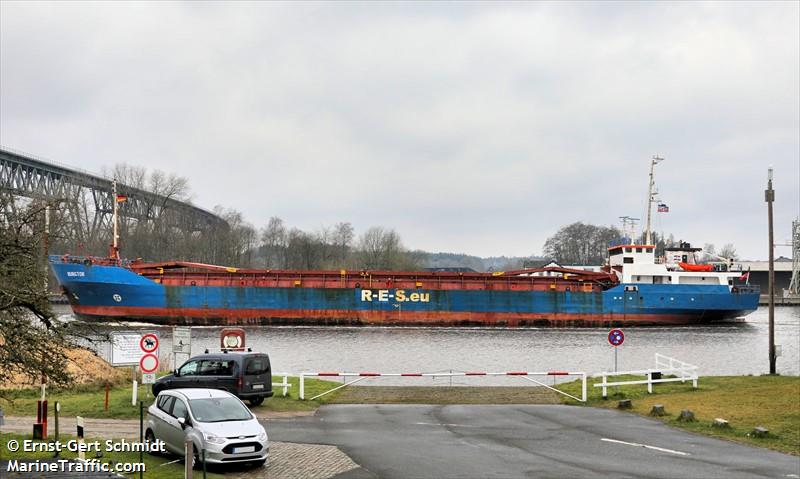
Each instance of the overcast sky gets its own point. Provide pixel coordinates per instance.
(467, 127)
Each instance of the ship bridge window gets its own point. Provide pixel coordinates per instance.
(629, 250)
(615, 252)
(638, 250)
(627, 260)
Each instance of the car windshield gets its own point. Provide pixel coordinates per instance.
(219, 410)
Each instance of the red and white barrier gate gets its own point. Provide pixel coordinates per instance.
(521, 374)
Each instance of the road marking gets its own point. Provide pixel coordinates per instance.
(671, 451)
(440, 424)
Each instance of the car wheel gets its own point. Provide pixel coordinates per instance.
(256, 400)
(151, 438)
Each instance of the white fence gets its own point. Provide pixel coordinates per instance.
(664, 364)
(284, 384)
(366, 375)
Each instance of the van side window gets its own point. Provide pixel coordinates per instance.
(190, 368)
(257, 366)
(216, 367)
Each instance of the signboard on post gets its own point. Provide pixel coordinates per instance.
(125, 350)
(232, 339)
(148, 378)
(149, 343)
(182, 340)
(615, 338)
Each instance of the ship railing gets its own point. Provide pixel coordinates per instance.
(353, 378)
(665, 365)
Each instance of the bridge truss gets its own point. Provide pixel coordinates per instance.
(85, 201)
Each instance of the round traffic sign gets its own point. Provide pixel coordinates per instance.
(149, 343)
(148, 363)
(616, 337)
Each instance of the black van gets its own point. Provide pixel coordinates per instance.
(246, 375)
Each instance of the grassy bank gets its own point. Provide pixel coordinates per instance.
(89, 400)
(156, 467)
(745, 401)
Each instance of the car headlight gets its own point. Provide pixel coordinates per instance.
(262, 436)
(213, 439)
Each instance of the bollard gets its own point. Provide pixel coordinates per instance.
(44, 419)
(81, 452)
(188, 458)
(105, 406)
(56, 411)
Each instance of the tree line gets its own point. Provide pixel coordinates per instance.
(586, 244)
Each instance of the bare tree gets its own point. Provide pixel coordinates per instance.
(273, 243)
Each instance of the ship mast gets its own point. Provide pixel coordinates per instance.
(115, 241)
(651, 192)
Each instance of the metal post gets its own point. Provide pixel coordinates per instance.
(615, 358)
(650, 382)
(134, 393)
(769, 196)
(141, 435)
(302, 386)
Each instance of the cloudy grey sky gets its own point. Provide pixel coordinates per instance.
(467, 127)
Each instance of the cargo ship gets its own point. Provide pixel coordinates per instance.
(633, 288)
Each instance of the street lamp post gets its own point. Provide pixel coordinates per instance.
(769, 196)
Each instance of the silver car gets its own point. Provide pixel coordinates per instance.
(216, 421)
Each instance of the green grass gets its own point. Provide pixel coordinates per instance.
(156, 466)
(745, 401)
(88, 401)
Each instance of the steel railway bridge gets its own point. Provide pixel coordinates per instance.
(86, 202)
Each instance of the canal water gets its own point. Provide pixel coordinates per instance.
(726, 349)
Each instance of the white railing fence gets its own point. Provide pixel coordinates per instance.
(665, 365)
(283, 384)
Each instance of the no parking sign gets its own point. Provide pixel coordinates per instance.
(616, 337)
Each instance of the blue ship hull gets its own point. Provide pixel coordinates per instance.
(98, 292)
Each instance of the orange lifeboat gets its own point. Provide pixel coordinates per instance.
(695, 267)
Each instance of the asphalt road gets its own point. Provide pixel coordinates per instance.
(519, 441)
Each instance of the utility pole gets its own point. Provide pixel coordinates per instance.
(650, 193)
(769, 196)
